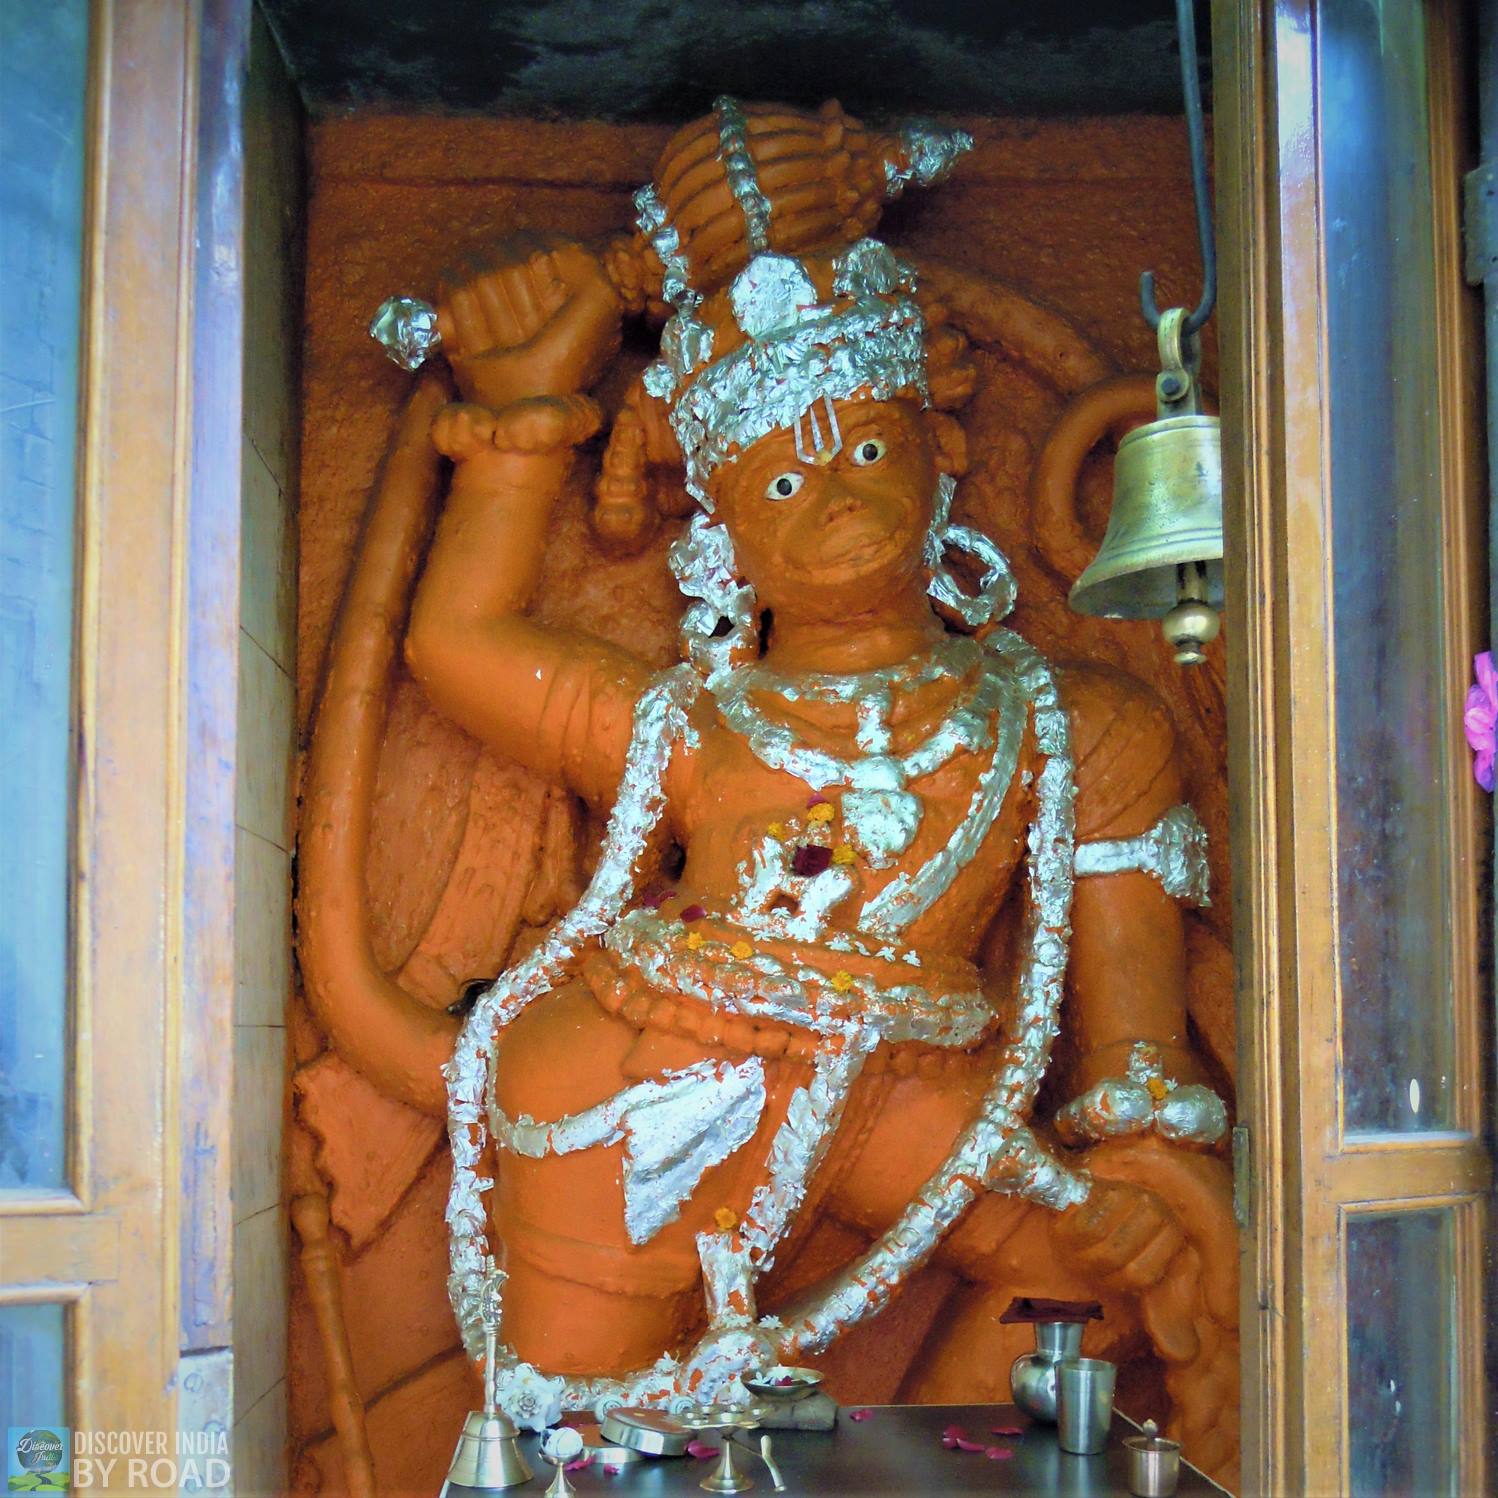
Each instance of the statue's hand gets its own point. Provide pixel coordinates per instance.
(1158, 1228)
(535, 317)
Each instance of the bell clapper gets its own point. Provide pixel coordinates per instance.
(1193, 623)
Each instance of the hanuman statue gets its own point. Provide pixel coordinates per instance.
(868, 853)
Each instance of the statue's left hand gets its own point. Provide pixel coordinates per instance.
(1158, 1228)
(535, 316)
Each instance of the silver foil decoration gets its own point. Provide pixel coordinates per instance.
(997, 1148)
(673, 1129)
(997, 589)
(706, 569)
(653, 223)
(800, 1144)
(771, 292)
(406, 328)
(1174, 850)
(930, 153)
(963, 726)
(762, 986)
(800, 354)
(870, 268)
(908, 897)
(738, 167)
(660, 724)
(1186, 1113)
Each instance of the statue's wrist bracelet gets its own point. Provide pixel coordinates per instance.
(1146, 1099)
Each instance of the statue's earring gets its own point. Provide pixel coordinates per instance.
(996, 589)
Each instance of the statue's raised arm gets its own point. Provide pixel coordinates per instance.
(526, 335)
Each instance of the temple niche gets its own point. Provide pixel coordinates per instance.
(1026, 258)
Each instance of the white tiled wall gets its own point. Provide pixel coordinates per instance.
(264, 798)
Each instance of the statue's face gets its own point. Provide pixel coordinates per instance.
(827, 541)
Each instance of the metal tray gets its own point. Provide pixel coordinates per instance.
(650, 1432)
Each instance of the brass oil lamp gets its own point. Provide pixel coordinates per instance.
(1162, 555)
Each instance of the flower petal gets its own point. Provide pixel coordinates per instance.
(1487, 675)
(701, 1450)
(963, 1445)
(1008, 1430)
(860, 1415)
(998, 1453)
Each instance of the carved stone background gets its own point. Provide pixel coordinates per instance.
(469, 855)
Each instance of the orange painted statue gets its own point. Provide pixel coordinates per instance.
(874, 869)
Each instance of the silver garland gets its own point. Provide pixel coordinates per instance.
(660, 725)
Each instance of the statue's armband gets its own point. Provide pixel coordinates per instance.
(1174, 850)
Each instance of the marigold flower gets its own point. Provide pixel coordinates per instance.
(776, 829)
(842, 981)
(1157, 1089)
(844, 853)
(726, 1218)
(741, 950)
(694, 940)
(823, 811)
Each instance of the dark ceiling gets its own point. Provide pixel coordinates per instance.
(665, 60)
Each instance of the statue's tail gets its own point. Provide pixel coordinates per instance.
(399, 1043)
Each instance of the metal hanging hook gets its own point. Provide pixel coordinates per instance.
(1192, 87)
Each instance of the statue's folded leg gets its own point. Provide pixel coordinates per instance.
(583, 1296)
(1001, 1247)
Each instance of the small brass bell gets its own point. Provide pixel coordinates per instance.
(1162, 555)
(488, 1457)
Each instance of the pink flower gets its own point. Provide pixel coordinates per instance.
(701, 1450)
(609, 1470)
(577, 1465)
(1481, 718)
(860, 1415)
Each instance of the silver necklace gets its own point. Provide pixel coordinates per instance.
(881, 815)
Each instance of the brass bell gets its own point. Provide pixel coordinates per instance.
(1162, 555)
(488, 1458)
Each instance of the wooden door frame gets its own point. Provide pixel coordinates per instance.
(1304, 1174)
(137, 1247)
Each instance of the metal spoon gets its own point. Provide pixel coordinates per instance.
(775, 1477)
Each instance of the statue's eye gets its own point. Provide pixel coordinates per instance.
(868, 451)
(783, 485)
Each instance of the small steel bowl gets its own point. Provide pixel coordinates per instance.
(784, 1385)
